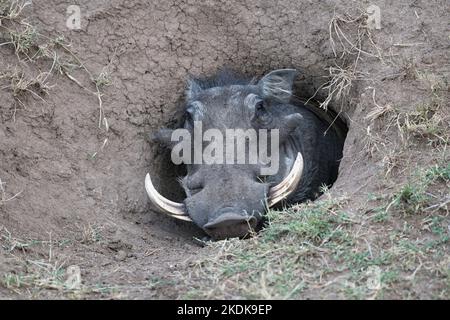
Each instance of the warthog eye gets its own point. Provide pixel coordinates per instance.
(259, 107)
(192, 185)
(195, 190)
(262, 116)
(188, 113)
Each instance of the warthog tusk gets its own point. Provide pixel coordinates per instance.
(276, 193)
(289, 183)
(173, 209)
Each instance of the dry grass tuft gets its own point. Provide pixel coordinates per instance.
(350, 42)
(428, 121)
(340, 83)
(90, 234)
(12, 9)
(347, 50)
(20, 83)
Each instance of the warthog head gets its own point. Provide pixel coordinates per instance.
(228, 198)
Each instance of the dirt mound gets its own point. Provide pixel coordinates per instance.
(76, 106)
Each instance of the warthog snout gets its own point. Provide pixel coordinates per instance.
(230, 224)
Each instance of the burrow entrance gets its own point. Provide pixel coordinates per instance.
(166, 175)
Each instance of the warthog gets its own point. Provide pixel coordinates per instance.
(228, 199)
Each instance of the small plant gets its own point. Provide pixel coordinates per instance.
(381, 215)
(9, 243)
(91, 234)
(20, 84)
(414, 197)
(361, 260)
(439, 173)
(23, 40)
(439, 226)
(411, 198)
(425, 122)
(15, 281)
(103, 79)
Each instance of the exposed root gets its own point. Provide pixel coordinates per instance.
(346, 48)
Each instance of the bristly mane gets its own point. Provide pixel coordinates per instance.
(224, 77)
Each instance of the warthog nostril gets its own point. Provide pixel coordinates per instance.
(230, 225)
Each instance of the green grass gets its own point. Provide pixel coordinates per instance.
(24, 40)
(316, 224)
(361, 260)
(323, 245)
(40, 274)
(415, 196)
(438, 173)
(271, 265)
(411, 198)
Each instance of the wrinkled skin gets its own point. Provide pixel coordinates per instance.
(228, 200)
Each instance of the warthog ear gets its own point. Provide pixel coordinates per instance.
(192, 89)
(278, 84)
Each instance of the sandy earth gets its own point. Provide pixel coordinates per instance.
(92, 211)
